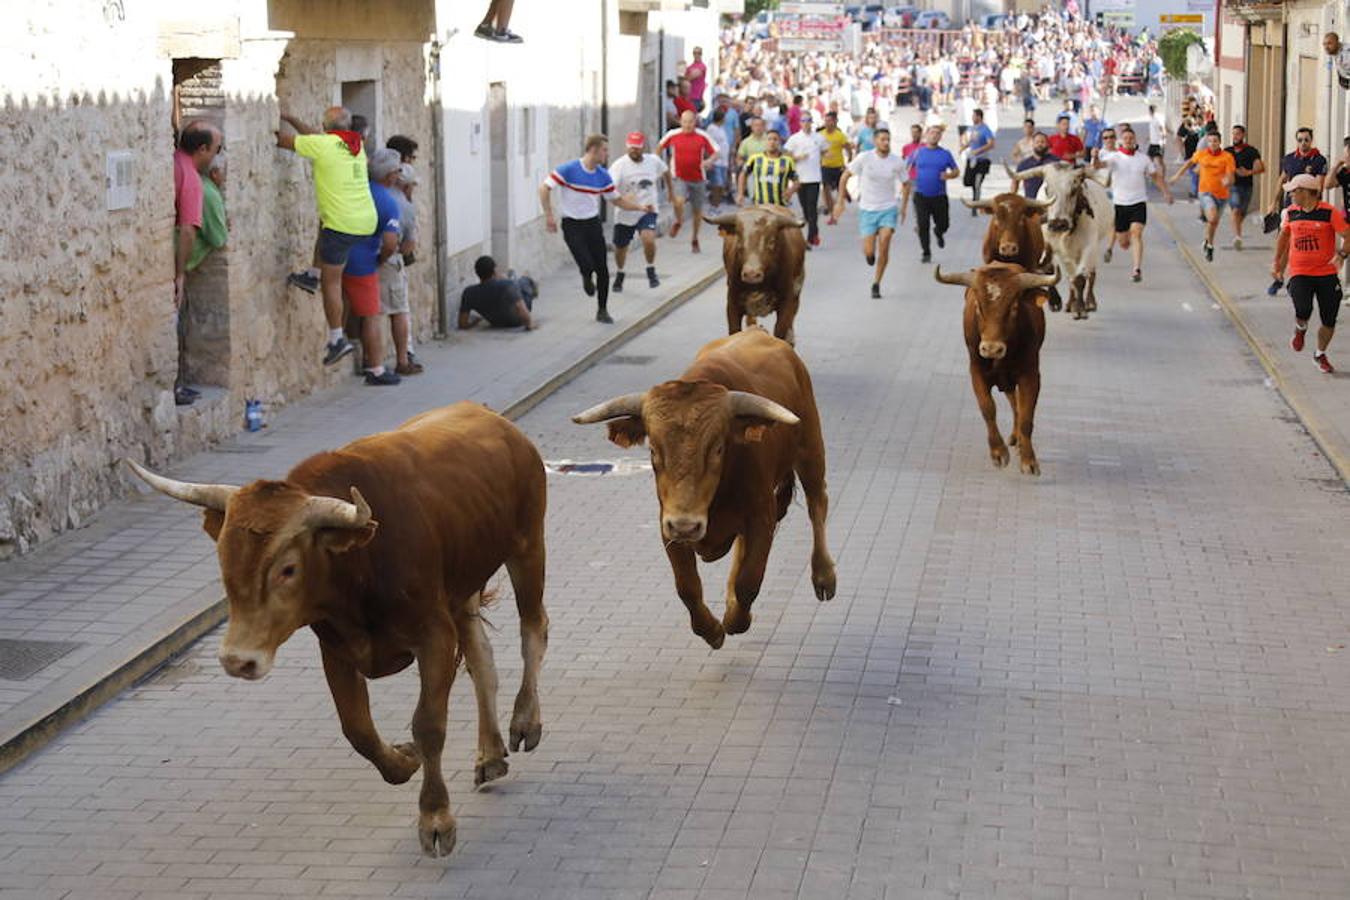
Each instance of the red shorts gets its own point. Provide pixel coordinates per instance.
(363, 293)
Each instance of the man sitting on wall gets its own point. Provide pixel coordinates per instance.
(501, 302)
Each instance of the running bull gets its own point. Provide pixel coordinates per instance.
(1014, 234)
(764, 254)
(1077, 227)
(726, 439)
(392, 575)
(1004, 328)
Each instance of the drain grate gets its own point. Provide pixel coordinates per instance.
(622, 359)
(21, 660)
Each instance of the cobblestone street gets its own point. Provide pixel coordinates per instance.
(1125, 678)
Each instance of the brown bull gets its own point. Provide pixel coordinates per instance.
(726, 440)
(1014, 234)
(395, 574)
(1004, 328)
(764, 254)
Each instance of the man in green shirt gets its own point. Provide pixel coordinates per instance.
(214, 231)
(346, 209)
(753, 143)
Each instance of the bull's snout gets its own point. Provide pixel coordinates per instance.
(752, 274)
(1008, 248)
(1058, 225)
(684, 528)
(249, 665)
(993, 349)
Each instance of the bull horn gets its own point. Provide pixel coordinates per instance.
(747, 404)
(210, 496)
(791, 222)
(1028, 280)
(725, 220)
(617, 408)
(977, 204)
(330, 512)
(962, 278)
(1028, 174)
(1038, 204)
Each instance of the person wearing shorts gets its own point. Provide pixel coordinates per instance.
(386, 171)
(347, 213)
(832, 160)
(1217, 170)
(692, 154)
(638, 174)
(1130, 172)
(1248, 165)
(883, 177)
(361, 275)
(1306, 252)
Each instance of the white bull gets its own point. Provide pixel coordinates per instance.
(1077, 226)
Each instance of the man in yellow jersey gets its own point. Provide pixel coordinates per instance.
(771, 176)
(346, 208)
(832, 161)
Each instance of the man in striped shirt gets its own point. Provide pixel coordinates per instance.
(770, 176)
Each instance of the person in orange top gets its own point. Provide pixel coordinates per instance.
(1307, 249)
(1216, 169)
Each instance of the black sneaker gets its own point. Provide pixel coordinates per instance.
(304, 281)
(1209, 252)
(486, 32)
(926, 258)
(507, 36)
(336, 350)
(941, 239)
(385, 378)
(871, 259)
(182, 397)
(602, 316)
(618, 283)
(876, 291)
(588, 284)
(652, 280)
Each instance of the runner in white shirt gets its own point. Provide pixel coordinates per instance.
(1157, 138)
(638, 174)
(883, 179)
(1130, 173)
(805, 148)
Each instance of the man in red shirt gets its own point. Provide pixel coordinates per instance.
(692, 153)
(1064, 144)
(1307, 246)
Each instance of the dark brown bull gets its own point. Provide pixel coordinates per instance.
(1014, 234)
(395, 574)
(726, 440)
(764, 254)
(1004, 328)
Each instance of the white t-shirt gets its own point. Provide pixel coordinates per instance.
(808, 169)
(718, 135)
(1157, 129)
(1129, 176)
(641, 179)
(879, 179)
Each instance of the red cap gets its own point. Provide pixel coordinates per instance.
(635, 139)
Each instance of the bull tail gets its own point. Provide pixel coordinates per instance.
(784, 495)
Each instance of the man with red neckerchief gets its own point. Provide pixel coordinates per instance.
(1217, 170)
(1130, 173)
(1307, 247)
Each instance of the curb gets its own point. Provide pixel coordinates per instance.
(187, 621)
(1291, 394)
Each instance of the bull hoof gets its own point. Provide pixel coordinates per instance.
(715, 637)
(1107, 257)
(999, 455)
(401, 764)
(1091, 305)
(489, 770)
(736, 621)
(525, 736)
(436, 830)
(824, 583)
(1012, 439)
(1031, 467)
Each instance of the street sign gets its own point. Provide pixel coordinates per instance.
(1182, 19)
(827, 45)
(811, 8)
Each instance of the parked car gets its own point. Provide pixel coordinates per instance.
(899, 17)
(933, 18)
(994, 21)
(760, 27)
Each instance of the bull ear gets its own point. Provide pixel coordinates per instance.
(212, 521)
(341, 540)
(1041, 297)
(748, 431)
(628, 432)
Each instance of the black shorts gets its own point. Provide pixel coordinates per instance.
(1326, 289)
(1155, 151)
(830, 175)
(334, 246)
(1128, 215)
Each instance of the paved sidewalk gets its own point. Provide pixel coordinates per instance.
(141, 580)
(1238, 280)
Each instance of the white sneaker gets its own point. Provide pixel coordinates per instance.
(1237, 243)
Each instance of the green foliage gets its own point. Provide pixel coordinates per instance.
(1172, 48)
(755, 7)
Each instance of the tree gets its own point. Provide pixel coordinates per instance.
(1172, 48)
(755, 7)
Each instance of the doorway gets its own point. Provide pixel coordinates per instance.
(500, 195)
(362, 98)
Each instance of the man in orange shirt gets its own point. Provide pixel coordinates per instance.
(1216, 169)
(1307, 247)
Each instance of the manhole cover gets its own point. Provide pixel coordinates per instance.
(628, 466)
(21, 660)
(629, 360)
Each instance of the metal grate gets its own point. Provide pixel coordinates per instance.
(21, 660)
(629, 360)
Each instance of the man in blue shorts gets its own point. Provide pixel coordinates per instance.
(638, 174)
(883, 178)
(933, 167)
